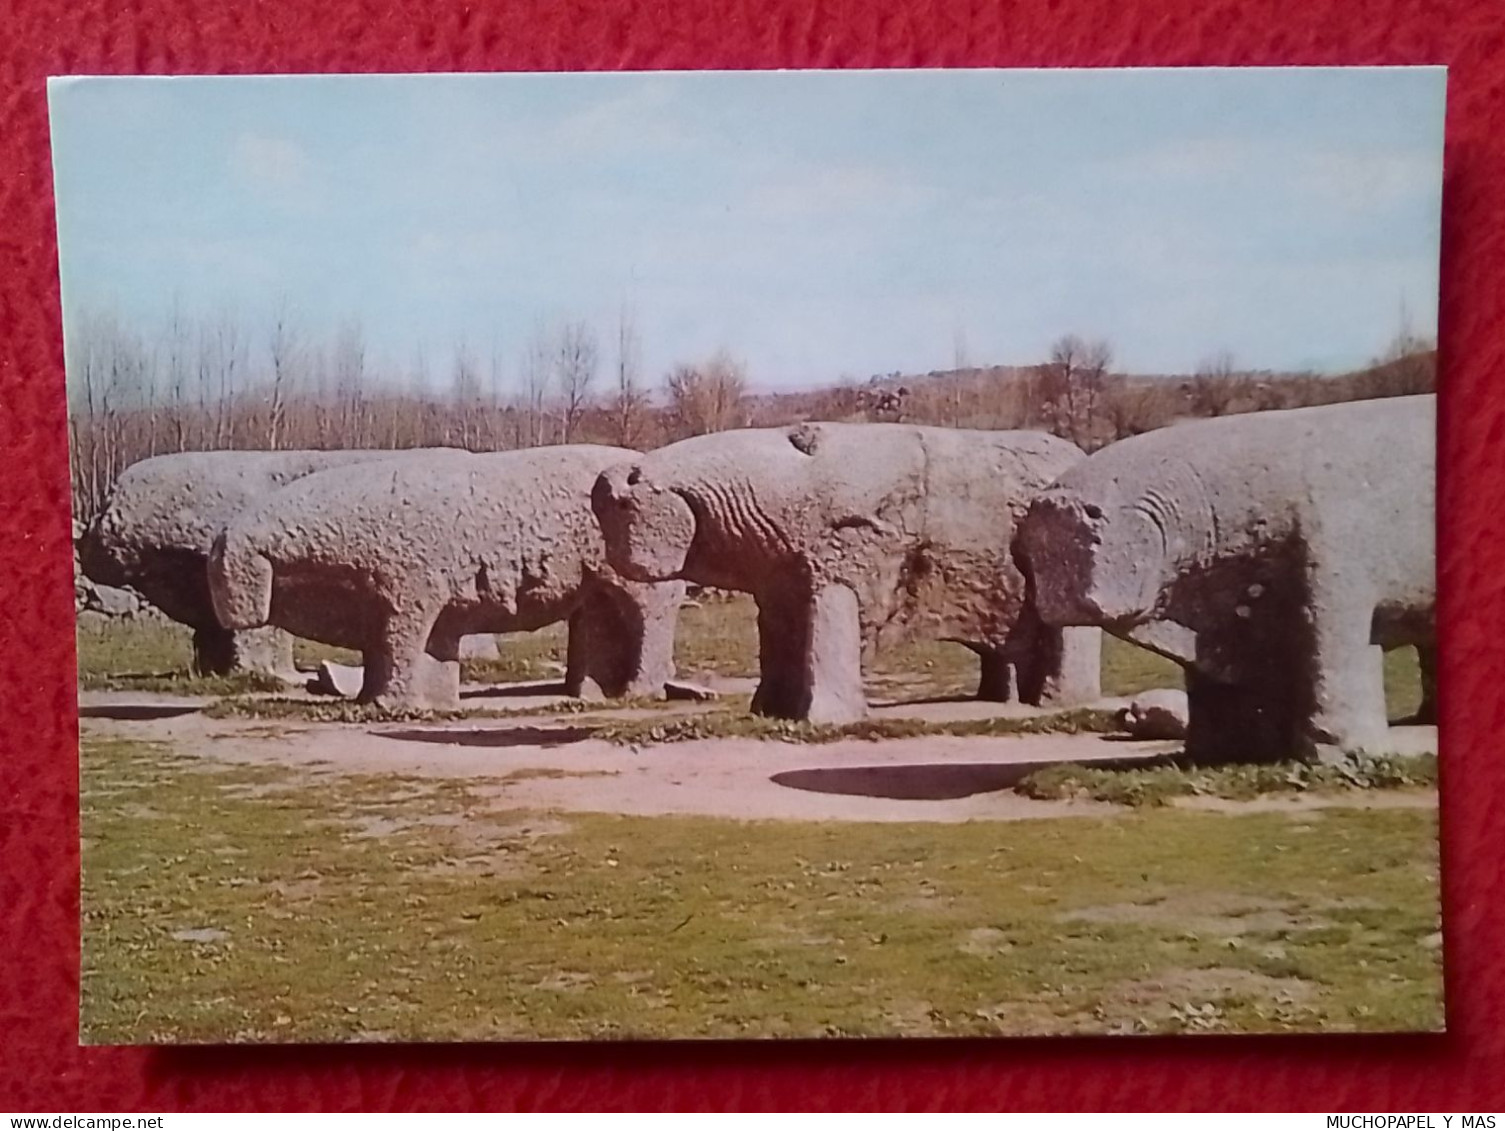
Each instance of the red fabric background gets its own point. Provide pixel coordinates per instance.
(41, 1065)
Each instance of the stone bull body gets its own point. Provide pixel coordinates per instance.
(845, 533)
(402, 560)
(1275, 555)
(155, 532)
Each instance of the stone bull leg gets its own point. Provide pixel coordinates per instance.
(1347, 674)
(213, 651)
(1247, 694)
(1426, 713)
(417, 664)
(995, 683)
(810, 653)
(1236, 722)
(1050, 665)
(621, 640)
(1064, 665)
(265, 651)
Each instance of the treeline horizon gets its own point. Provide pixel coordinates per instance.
(207, 384)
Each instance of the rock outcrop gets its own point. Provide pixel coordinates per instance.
(1274, 555)
(399, 561)
(846, 535)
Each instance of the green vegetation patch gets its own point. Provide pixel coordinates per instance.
(349, 711)
(185, 683)
(239, 903)
(522, 657)
(1159, 785)
(725, 724)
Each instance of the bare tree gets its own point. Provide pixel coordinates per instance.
(1214, 386)
(1131, 410)
(1407, 365)
(496, 412)
(348, 364)
(537, 373)
(111, 400)
(284, 347)
(575, 358)
(629, 401)
(1070, 387)
(465, 397)
(707, 397)
(961, 356)
(1266, 394)
(176, 363)
(220, 364)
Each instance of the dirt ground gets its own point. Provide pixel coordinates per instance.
(548, 762)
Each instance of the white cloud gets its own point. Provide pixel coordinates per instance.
(1374, 179)
(1353, 177)
(636, 120)
(276, 164)
(835, 191)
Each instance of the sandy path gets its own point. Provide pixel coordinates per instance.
(548, 762)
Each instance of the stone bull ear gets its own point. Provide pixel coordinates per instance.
(804, 438)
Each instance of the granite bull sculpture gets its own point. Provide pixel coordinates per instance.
(846, 534)
(1274, 555)
(402, 560)
(156, 529)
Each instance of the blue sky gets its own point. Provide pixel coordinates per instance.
(815, 224)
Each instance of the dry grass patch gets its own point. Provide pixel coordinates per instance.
(272, 918)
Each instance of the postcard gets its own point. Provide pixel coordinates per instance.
(778, 554)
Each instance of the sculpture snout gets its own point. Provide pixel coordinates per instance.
(613, 487)
(240, 584)
(94, 557)
(648, 529)
(1059, 543)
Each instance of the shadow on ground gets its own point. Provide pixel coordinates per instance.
(515, 690)
(492, 736)
(135, 712)
(882, 701)
(930, 781)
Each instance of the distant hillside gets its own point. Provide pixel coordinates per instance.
(1001, 397)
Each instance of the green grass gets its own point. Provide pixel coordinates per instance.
(185, 683)
(718, 636)
(523, 656)
(349, 711)
(253, 904)
(730, 720)
(117, 649)
(727, 724)
(1158, 785)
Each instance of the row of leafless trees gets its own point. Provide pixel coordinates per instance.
(209, 383)
(205, 384)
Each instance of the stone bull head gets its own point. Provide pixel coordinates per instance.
(714, 509)
(649, 527)
(1102, 561)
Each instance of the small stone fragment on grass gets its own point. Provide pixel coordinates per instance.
(200, 935)
(343, 680)
(692, 692)
(1158, 714)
